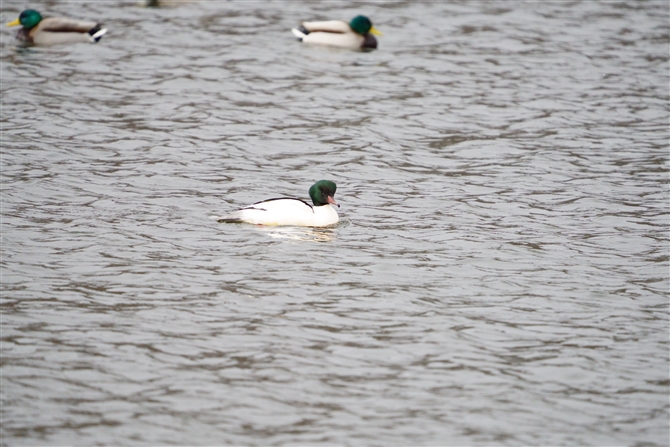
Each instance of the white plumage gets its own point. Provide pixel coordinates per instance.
(290, 211)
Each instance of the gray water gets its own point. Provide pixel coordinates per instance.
(499, 275)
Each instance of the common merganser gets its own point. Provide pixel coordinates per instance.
(289, 211)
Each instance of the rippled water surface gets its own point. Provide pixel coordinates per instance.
(499, 275)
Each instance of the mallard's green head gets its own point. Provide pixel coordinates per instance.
(362, 25)
(322, 193)
(28, 18)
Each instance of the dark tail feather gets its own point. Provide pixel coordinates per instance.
(228, 218)
(97, 32)
(300, 32)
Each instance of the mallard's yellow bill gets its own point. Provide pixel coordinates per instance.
(14, 23)
(375, 31)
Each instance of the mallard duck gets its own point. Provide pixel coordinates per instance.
(289, 211)
(356, 35)
(40, 30)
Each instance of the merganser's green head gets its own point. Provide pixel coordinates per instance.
(322, 193)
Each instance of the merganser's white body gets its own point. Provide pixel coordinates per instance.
(276, 212)
(288, 211)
